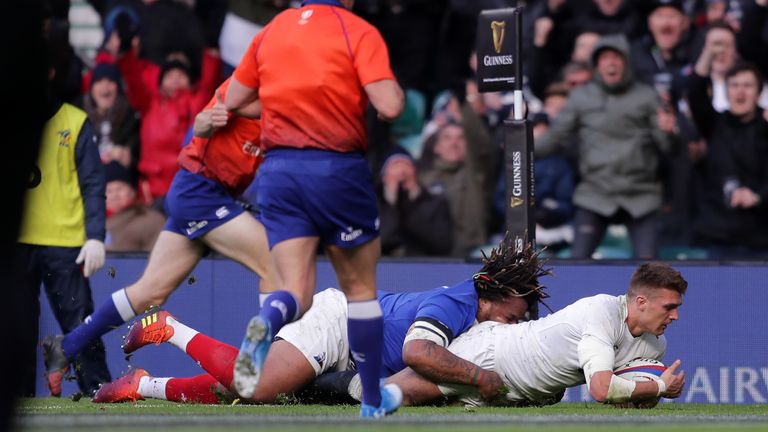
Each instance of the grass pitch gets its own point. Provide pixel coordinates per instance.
(65, 415)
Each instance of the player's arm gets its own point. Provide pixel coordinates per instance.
(244, 83)
(425, 351)
(239, 96)
(596, 357)
(387, 97)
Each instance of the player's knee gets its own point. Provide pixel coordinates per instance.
(143, 296)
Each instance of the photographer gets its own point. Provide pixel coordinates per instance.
(414, 222)
(730, 179)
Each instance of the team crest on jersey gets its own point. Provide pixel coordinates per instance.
(305, 16)
(65, 136)
(251, 149)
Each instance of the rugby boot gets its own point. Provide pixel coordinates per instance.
(250, 359)
(152, 328)
(123, 389)
(56, 363)
(391, 399)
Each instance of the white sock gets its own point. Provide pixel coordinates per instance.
(263, 298)
(154, 388)
(181, 334)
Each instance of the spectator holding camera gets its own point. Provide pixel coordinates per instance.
(731, 182)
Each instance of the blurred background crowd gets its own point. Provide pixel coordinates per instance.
(648, 116)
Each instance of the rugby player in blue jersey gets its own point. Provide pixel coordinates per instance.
(418, 327)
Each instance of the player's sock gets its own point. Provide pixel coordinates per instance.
(111, 314)
(182, 334)
(366, 336)
(279, 308)
(198, 389)
(216, 357)
(151, 387)
(262, 299)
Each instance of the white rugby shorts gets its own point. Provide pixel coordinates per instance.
(321, 334)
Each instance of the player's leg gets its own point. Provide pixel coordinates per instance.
(294, 265)
(244, 240)
(170, 261)
(286, 368)
(356, 272)
(137, 384)
(350, 231)
(307, 348)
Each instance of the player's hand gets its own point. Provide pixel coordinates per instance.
(219, 112)
(91, 256)
(674, 381)
(489, 384)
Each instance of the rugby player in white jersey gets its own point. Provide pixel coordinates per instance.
(584, 342)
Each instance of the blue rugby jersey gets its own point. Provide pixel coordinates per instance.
(450, 310)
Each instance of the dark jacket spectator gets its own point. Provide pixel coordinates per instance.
(414, 222)
(658, 57)
(731, 180)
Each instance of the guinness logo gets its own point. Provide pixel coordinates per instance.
(515, 202)
(497, 27)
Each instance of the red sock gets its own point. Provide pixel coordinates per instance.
(216, 357)
(194, 389)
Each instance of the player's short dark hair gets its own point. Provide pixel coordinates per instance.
(656, 275)
(507, 273)
(743, 66)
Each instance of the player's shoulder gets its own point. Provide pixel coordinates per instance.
(605, 301)
(601, 307)
(462, 290)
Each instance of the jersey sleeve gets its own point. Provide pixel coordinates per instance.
(247, 72)
(372, 58)
(596, 347)
(442, 317)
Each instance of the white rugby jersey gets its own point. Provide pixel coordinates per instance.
(538, 359)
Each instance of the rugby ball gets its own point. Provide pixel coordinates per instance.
(641, 369)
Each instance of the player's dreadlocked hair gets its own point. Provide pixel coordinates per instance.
(507, 273)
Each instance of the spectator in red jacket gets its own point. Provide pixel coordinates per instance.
(168, 100)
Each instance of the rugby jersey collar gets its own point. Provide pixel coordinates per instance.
(336, 3)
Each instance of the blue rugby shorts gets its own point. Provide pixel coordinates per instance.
(195, 205)
(317, 193)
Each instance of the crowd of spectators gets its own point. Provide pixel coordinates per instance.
(646, 114)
